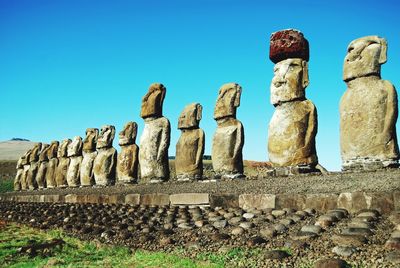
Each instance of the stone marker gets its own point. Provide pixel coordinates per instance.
(228, 140)
(368, 108)
(293, 127)
(25, 163)
(106, 159)
(43, 164)
(128, 158)
(19, 175)
(63, 162)
(52, 165)
(155, 139)
(190, 146)
(89, 155)
(34, 166)
(75, 155)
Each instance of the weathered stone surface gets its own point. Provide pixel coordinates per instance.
(154, 199)
(258, 201)
(349, 240)
(155, 139)
(189, 199)
(190, 146)
(228, 140)
(295, 201)
(293, 126)
(34, 166)
(132, 199)
(75, 156)
(63, 162)
(89, 155)
(106, 159)
(52, 165)
(128, 158)
(287, 44)
(18, 176)
(331, 263)
(353, 202)
(321, 202)
(368, 108)
(43, 164)
(224, 200)
(276, 254)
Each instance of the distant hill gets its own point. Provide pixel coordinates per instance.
(14, 149)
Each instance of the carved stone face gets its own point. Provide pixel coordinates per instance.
(106, 137)
(128, 134)
(364, 57)
(228, 100)
(75, 147)
(289, 81)
(34, 156)
(43, 154)
(152, 102)
(190, 116)
(89, 143)
(25, 157)
(63, 148)
(52, 151)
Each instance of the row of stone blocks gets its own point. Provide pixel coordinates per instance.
(384, 202)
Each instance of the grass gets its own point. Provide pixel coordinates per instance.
(6, 185)
(77, 253)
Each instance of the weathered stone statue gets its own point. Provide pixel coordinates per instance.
(293, 127)
(52, 165)
(34, 166)
(190, 146)
(43, 164)
(128, 158)
(368, 108)
(74, 152)
(19, 175)
(228, 140)
(63, 163)
(25, 163)
(155, 139)
(89, 155)
(106, 159)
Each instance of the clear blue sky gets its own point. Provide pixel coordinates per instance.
(69, 65)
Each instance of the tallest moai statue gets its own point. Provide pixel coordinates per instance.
(368, 108)
(293, 127)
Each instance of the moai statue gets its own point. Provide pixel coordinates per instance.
(155, 139)
(293, 127)
(106, 159)
(190, 146)
(52, 165)
(74, 152)
(89, 155)
(228, 140)
(368, 108)
(25, 163)
(34, 166)
(63, 163)
(128, 158)
(43, 164)
(20, 173)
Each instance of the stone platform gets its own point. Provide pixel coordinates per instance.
(353, 191)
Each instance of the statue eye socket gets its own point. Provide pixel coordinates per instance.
(350, 49)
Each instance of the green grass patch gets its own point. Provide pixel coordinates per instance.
(6, 185)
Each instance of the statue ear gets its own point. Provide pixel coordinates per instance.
(112, 132)
(134, 129)
(383, 54)
(237, 96)
(305, 80)
(199, 112)
(96, 134)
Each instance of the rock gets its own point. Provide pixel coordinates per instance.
(349, 240)
(89, 155)
(220, 224)
(219, 237)
(311, 229)
(255, 241)
(296, 244)
(228, 138)
(368, 108)
(199, 223)
(344, 251)
(248, 216)
(369, 213)
(268, 232)
(305, 236)
(331, 263)
(357, 231)
(246, 225)
(237, 231)
(393, 257)
(278, 213)
(166, 241)
(366, 225)
(63, 162)
(393, 243)
(336, 213)
(106, 159)
(190, 146)
(287, 44)
(128, 158)
(286, 222)
(185, 225)
(276, 254)
(280, 228)
(75, 155)
(395, 234)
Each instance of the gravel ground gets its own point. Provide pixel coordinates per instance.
(379, 181)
